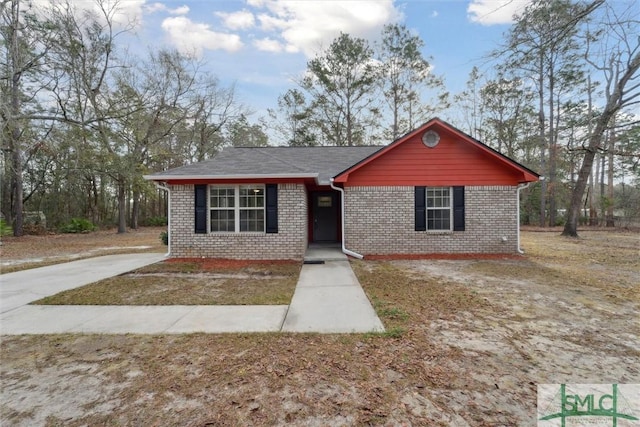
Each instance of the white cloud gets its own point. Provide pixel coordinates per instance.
(128, 12)
(154, 7)
(308, 26)
(434, 14)
(192, 37)
(237, 20)
(491, 12)
(182, 10)
(268, 45)
(160, 7)
(271, 23)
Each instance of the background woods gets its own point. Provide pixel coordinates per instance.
(83, 118)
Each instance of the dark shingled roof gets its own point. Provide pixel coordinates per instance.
(326, 162)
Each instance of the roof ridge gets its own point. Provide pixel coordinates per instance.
(269, 147)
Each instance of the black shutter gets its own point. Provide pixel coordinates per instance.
(458, 208)
(421, 208)
(200, 208)
(272, 208)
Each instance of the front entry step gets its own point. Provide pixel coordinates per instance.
(319, 254)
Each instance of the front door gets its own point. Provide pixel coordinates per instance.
(325, 217)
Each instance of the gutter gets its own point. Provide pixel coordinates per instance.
(165, 187)
(344, 249)
(520, 187)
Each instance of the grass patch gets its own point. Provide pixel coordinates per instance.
(184, 284)
(393, 313)
(395, 333)
(402, 298)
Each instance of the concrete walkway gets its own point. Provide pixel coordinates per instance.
(328, 299)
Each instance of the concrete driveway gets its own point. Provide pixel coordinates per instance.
(328, 299)
(22, 287)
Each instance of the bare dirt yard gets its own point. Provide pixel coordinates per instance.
(19, 253)
(467, 343)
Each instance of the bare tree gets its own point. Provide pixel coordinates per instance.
(615, 55)
(543, 45)
(22, 76)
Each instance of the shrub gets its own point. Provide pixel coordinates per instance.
(34, 229)
(5, 229)
(78, 225)
(164, 238)
(156, 221)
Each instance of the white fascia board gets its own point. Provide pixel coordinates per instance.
(214, 177)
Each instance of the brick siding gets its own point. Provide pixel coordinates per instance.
(380, 221)
(289, 243)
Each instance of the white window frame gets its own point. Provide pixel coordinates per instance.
(236, 207)
(438, 208)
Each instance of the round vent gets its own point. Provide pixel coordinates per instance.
(430, 138)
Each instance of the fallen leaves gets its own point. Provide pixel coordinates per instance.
(478, 336)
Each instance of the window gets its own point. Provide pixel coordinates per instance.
(439, 210)
(251, 208)
(222, 203)
(238, 208)
(325, 201)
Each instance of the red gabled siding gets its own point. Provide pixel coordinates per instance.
(453, 161)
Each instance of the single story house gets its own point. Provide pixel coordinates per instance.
(436, 190)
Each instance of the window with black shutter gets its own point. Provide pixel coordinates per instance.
(439, 208)
(236, 208)
(272, 208)
(458, 208)
(200, 208)
(420, 209)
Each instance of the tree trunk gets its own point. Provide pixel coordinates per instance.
(122, 206)
(135, 209)
(593, 217)
(603, 202)
(349, 126)
(614, 103)
(543, 145)
(610, 204)
(6, 190)
(16, 150)
(571, 226)
(18, 208)
(553, 158)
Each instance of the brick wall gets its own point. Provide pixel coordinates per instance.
(380, 221)
(289, 243)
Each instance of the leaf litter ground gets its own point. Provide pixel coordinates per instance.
(467, 343)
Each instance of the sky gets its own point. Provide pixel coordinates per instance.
(263, 46)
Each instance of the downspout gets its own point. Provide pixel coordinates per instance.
(520, 187)
(344, 249)
(166, 188)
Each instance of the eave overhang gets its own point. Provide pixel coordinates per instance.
(239, 177)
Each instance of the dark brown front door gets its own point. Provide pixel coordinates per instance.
(325, 217)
